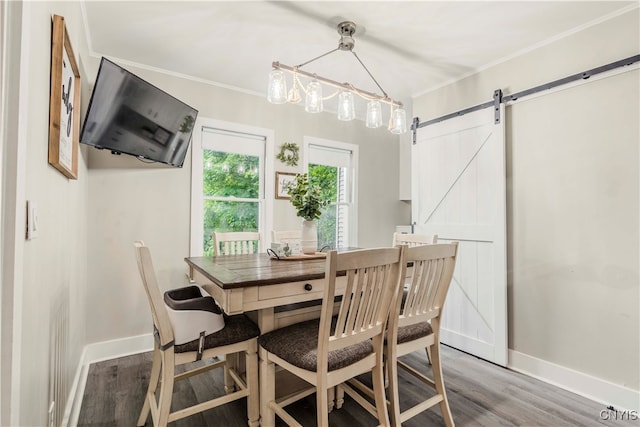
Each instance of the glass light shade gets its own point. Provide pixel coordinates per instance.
(277, 91)
(313, 101)
(398, 121)
(346, 106)
(374, 114)
(294, 94)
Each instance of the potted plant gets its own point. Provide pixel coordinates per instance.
(308, 201)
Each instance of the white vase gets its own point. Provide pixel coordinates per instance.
(309, 240)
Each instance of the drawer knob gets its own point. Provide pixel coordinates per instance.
(308, 287)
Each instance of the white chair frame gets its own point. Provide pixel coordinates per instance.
(373, 281)
(237, 242)
(165, 359)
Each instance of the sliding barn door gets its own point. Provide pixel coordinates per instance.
(458, 193)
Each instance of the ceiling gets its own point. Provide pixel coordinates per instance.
(409, 47)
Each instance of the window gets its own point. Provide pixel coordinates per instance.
(229, 189)
(333, 166)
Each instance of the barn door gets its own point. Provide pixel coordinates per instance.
(458, 193)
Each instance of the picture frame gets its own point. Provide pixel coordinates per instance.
(64, 102)
(283, 179)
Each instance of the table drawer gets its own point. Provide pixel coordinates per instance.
(293, 289)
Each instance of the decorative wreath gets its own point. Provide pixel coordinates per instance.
(289, 154)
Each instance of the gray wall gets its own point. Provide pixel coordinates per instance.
(570, 296)
(82, 263)
(572, 197)
(47, 289)
(130, 200)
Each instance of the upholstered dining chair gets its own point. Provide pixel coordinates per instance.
(174, 345)
(413, 239)
(236, 242)
(328, 351)
(414, 324)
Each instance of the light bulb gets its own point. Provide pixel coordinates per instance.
(346, 107)
(277, 91)
(313, 101)
(398, 121)
(374, 114)
(294, 94)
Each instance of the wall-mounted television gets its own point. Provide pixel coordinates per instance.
(128, 115)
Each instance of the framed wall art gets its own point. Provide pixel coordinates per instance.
(64, 102)
(283, 180)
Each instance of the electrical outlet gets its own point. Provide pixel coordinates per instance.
(32, 220)
(52, 414)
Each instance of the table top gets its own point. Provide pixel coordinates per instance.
(239, 271)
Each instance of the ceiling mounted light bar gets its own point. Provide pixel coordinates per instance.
(277, 91)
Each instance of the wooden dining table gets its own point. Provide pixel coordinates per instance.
(275, 293)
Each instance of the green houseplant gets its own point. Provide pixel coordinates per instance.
(308, 201)
(306, 198)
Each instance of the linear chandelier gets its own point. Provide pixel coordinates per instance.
(277, 91)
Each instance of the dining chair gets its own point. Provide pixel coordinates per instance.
(414, 324)
(327, 352)
(238, 335)
(236, 242)
(286, 236)
(413, 239)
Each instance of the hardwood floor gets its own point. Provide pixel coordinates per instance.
(480, 394)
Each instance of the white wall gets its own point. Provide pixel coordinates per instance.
(83, 259)
(130, 200)
(573, 200)
(50, 272)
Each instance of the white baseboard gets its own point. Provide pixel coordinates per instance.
(599, 390)
(97, 352)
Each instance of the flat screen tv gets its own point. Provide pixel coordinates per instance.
(128, 115)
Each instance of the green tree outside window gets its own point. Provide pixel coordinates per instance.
(227, 176)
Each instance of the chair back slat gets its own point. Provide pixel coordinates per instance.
(346, 300)
(433, 267)
(373, 278)
(371, 301)
(236, 242)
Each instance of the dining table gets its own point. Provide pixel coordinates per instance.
(273, 292)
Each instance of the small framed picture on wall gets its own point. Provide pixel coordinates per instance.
(283, 180)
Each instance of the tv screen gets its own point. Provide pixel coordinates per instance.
(129, 115)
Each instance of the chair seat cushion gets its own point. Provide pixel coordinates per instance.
(236, 329)
(298, 345)
(413, 332)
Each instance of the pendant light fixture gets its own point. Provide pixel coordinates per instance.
(277, 89)
(398, 123)
(374, 114)
(313, 101)
(346, 106)
(277, 93)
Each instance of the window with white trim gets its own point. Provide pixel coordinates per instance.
(229, 191)
(333, 166)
